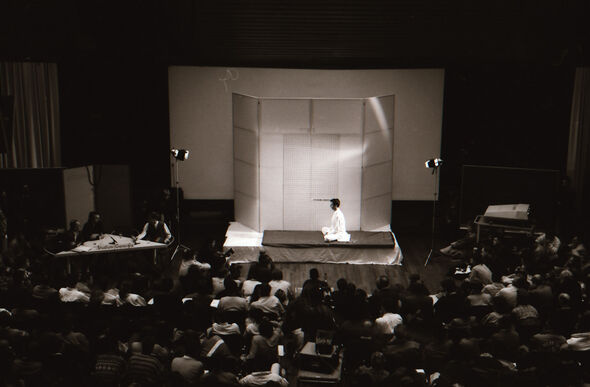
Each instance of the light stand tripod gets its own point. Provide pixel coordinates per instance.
(179, 155)
(435, 173)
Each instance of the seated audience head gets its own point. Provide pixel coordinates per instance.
(147, 344)
(230, 285)
(252, 271)
(382, 282)
(93, 217)
(265, 329)
(314, 274)
(341, 284)
(264, 289)
(75, 225)
(277, 275)
(263, 274)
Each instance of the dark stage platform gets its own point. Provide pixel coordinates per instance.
(309, 246)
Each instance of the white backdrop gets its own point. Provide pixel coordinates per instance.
(201, 118)
(311, 150)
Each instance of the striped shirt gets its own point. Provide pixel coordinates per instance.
(144, 369)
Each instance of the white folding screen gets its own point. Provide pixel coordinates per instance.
(377, 162)
(246, 163)
(307, 151)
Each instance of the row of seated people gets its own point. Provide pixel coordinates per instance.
(497, 323)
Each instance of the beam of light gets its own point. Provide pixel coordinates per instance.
(379, 113)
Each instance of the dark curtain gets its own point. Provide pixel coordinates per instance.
(578, 163)
(33, 133)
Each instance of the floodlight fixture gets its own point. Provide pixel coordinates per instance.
(180, 154)
(433, 163)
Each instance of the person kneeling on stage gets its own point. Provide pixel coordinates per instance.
(155, 230)
(337, 229)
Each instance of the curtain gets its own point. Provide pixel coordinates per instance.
(33, 89)
(578, 163)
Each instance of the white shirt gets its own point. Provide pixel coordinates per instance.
(337, 229)
(72, 295)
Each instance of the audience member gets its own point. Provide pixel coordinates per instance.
(93, 228)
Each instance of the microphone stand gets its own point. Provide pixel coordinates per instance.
(435, 173)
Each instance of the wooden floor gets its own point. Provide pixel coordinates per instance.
(415, 251)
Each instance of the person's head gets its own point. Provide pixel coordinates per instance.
(147, 345)
(93, 217)
(230, 285)
(75, 225)
(341, 283)
(153, 218)
(382, 282)
(264, 289)
(277, 275)
(71, 281)
(264, 259)
(314, 274)
(334, 204)
(265, 329)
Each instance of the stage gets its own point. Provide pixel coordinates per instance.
(365, 247)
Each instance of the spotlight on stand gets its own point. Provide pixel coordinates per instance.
(433, 163)
(180, 154)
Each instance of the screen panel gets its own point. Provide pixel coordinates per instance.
(246, 161)
(297, 182)
(271, 181)
(246, 146)
(377, 163)
(284, 116)
(337, 116)
(376, 212)
(379, 114)
(246, 210)
(245, 112)
(324, 177)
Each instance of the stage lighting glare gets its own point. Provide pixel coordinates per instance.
(433, 163)
(180, 154)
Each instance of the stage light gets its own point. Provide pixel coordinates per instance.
(180, 154)
(433, 163)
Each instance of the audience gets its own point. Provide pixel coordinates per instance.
(519, 316)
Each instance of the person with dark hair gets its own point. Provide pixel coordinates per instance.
(337, 229)
(314, 281)
(73, 236)
(188, 366)
(269, 304)
(264, 344)
(231, 300)
(144, 368)
(155, 230)
(279, 284)
(110, 365)
(251, 280)
(93, 228)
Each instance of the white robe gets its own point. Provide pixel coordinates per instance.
(337, 229)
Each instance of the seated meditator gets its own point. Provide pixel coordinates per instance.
(337, 229)
(155, 230)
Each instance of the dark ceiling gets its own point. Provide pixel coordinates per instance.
(299, 33)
